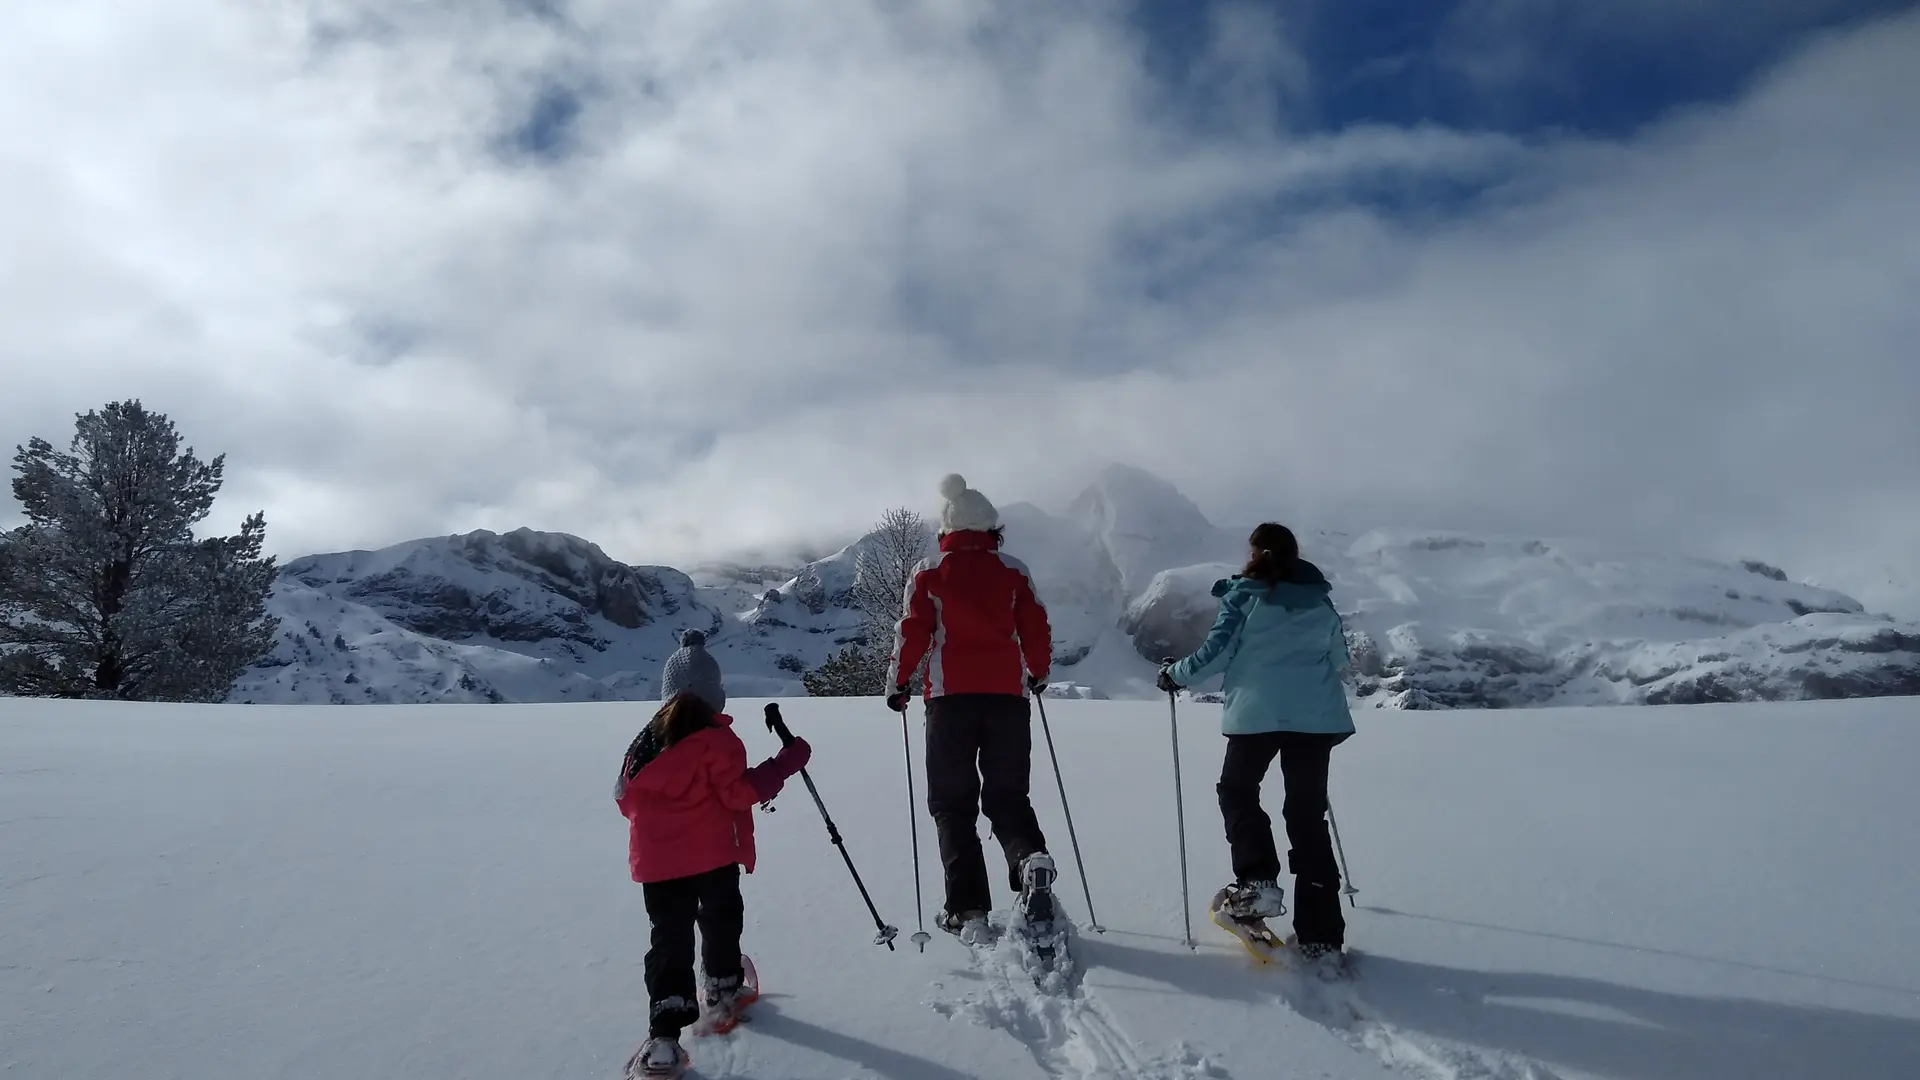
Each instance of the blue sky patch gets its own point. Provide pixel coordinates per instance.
(1602, 69)
(546, 132)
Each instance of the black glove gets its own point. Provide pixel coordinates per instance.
(1037, 684)
(1166, 683)
(899, 699)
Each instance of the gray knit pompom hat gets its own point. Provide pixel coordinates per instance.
(693, 670)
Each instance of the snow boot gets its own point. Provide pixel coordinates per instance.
(1035, 904)
(970, 927)
(1329, 962)
(1256, 899)
(659, 1058)
(1242, 909)
(1037, 915)
(723, 1001)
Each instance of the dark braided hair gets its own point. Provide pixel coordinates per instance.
(1276, 555)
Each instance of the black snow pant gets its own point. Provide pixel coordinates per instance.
(711, 901)
(979, 757)
(1303, 768)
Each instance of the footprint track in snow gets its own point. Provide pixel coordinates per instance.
(1069, 1032)
(1340, 1008)
(716, 1057)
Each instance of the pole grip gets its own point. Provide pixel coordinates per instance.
(778, 726)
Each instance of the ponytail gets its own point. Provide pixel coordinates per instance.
(681, 717)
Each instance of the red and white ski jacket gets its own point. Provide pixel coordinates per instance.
(974, 615)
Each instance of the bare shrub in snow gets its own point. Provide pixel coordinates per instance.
(888, 556)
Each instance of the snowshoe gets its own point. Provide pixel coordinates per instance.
(1037, 917)
(1250, 930)
(723, 1005)
(659, 1058)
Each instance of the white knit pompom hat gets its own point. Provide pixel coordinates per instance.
(966, 510)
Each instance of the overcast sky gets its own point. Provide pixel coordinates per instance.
(687, 278)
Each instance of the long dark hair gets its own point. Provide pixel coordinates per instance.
(677, 719)
(1276, 554)
(681, 717)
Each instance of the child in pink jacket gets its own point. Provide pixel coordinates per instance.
(688, 797)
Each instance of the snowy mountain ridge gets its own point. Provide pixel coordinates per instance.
(1436, 620)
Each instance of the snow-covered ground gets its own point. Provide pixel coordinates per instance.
(281, 892)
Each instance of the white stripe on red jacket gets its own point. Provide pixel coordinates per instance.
(973, 615)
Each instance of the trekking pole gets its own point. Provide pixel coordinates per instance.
(887, 933)
(1092, 919)
(1180, 809)
(920, 936)
(1346, 879)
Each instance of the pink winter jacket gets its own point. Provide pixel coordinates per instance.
(690, 810)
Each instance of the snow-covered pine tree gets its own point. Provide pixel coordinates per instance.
(888, 556)
(105, 592)
(851, 672)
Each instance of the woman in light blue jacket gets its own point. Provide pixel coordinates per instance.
(1283, 650)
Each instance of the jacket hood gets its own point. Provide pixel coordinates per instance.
(1308, 588)
(673, 776)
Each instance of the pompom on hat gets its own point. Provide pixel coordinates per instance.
(966, 510)
(693, 670)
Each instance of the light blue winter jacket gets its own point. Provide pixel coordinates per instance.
(1283, 651)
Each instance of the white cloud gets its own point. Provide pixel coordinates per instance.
(795, 269)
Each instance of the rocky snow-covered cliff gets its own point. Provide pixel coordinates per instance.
(524, 616)
(1453, 621)
(1436, 620)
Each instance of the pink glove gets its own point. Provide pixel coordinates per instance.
(771, 775)
(765, 782)
(793, 757)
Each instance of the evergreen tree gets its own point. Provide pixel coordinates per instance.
(105, 592)
(855, 671)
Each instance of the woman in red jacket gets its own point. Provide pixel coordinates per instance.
(973, 616)
(688, 797)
